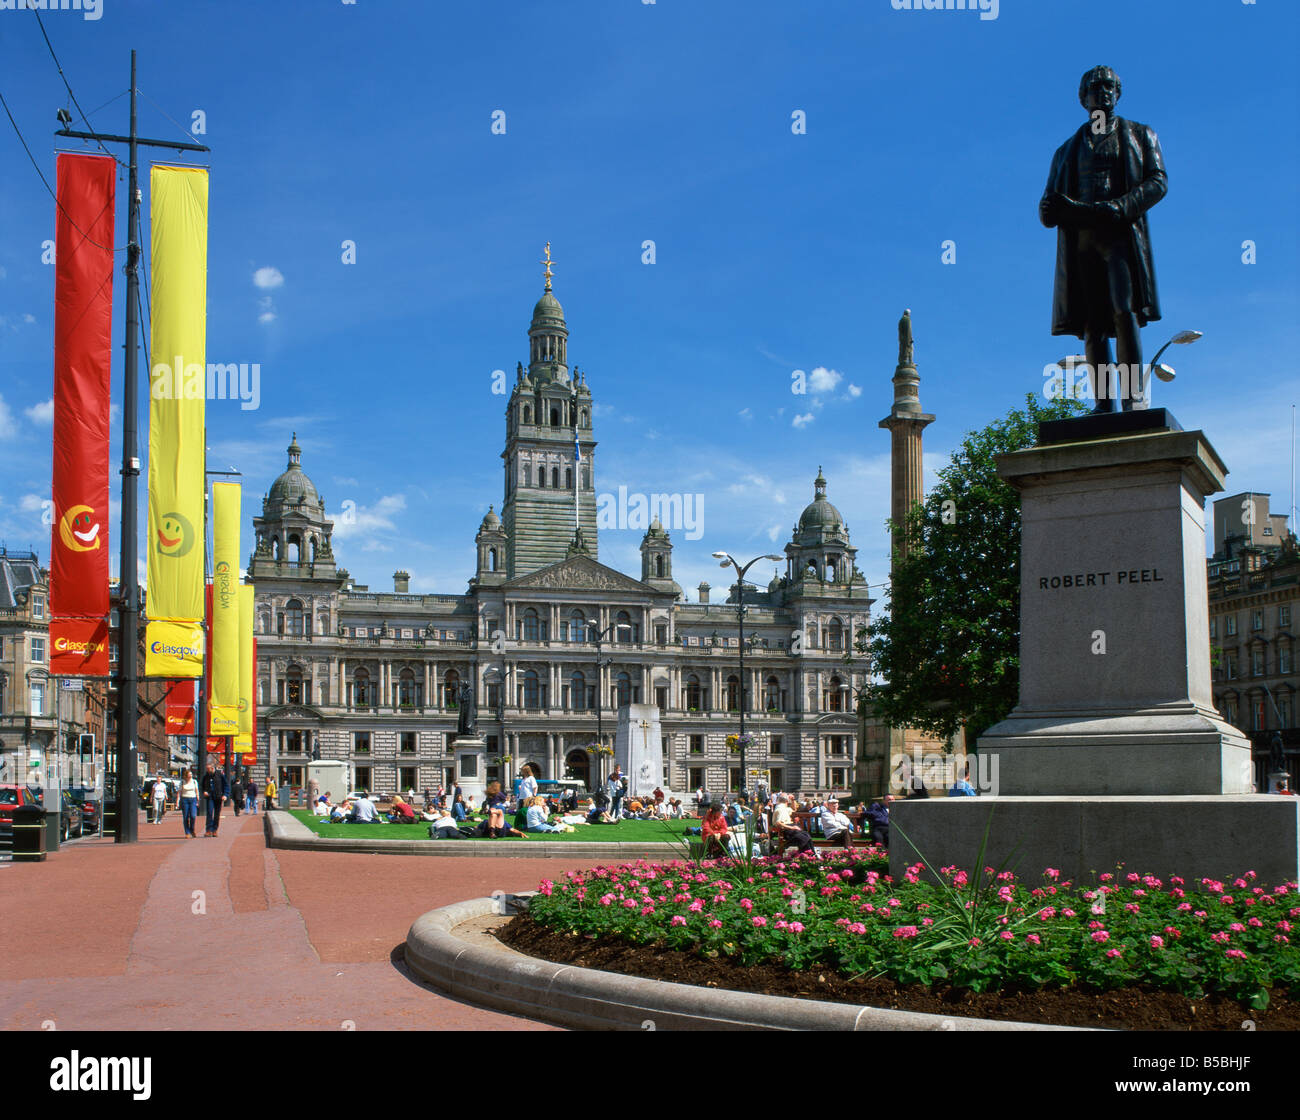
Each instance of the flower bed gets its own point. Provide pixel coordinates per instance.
(979, 933)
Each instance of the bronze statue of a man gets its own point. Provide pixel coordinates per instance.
(467, 715)
(1103, 181)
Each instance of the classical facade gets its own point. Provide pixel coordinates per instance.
(1254, 586)
(372, 678)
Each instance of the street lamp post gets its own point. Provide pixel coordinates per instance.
(595, 634)
(726, 559)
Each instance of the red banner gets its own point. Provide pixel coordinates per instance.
(180, 708)
(83, 312)
(78, 647)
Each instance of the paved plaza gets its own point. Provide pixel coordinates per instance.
(105, 937)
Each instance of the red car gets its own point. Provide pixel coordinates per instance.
(11, 797)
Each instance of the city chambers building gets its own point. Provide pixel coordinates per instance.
(373, 678)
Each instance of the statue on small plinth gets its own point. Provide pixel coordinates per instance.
(467, 713)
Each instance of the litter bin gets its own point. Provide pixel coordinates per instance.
(29, 834)
(283, 802)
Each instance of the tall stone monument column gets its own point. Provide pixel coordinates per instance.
(905, 423)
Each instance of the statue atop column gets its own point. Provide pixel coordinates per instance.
(905, 339)
(1102, 182)
(467, 712)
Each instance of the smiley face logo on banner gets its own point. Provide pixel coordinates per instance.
(79, 529)
(175, 534)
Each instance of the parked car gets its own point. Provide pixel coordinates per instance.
(89, 801)
(11, 798)
(71, 822)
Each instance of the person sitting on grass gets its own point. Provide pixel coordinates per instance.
(403, 812)
(535, 818)
(322, 806)
(444, 827)
(715, 832)
(836, 827)
(496, 813)
(598, 813)
(364, 811)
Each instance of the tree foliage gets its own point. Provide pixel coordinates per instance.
(947, 653)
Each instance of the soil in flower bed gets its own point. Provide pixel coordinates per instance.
(1133, 1008)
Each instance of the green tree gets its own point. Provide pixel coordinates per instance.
(947, 653)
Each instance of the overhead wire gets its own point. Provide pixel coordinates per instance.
(59, 66)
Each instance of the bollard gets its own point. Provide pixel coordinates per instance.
(29, 834)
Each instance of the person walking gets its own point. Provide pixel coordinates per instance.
(159, 799)
(237, 794)
(215, 794)
(252, 795)
(270, 792)
(189, 802)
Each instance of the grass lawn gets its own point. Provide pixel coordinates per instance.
(635, 832)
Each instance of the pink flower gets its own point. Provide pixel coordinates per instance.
(1101, 935)
(1237, 927)
(606, 899)
(1114, 952)
(1172, 931)
(678, 920)
(1157, 942)
(714, 923)
(1237, 954)
(1007, 935)
(1052, 873)
(796, 927)
(857, 927)
(758, 922)
(1067, 913)
(649, 909)
(973, 941)
(1221, 937)
(906, 932)
(1095, 925)
(696, 906)
(1033, 938)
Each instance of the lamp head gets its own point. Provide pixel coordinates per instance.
(720, 556)
(1182, 338)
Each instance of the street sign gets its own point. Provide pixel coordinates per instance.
(70, 684)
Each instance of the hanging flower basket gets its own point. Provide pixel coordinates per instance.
(746, 742)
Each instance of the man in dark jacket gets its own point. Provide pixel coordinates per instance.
(215, 793)
(1102, 182)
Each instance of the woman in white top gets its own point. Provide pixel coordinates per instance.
(527, 785)
(189, 802)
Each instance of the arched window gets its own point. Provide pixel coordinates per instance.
(555, 478)
(577, 627)
(555, 417)
(568, 478)
(532, 690)
(361, 695)
(450, 689)
(578, 692)
(528, 414)
(295, 549)
(835, 635)
(492, 559)
(582, 418)
(772, 694)
(528, 475)
(835, 695)
(622, 690)
(624, 631)
(323, 623)
(291, 686)
(694, 695)
(733, 693)
(810, 640)
(541, 476)
(832, 568)
(408, 689)
(659, 567)
(293, 618)
(264, 622)
(531, 626)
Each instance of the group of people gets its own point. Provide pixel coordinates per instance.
(216, 791)
(778, 824)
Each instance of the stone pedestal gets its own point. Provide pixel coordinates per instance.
(1115, 693)
(638, 748)
(1115, 752)
(471, 768)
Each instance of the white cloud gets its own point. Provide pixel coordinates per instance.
(803, 421)
(774, 532)
(30, 503)
(823, 380)
(854, 390)
(42, 413)
(745, 414)
(267, 310)
(113, 412)
(370, 519)
(28, 317)
(268, 277)
(8, 429)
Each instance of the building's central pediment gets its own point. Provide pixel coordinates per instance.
(577, 573)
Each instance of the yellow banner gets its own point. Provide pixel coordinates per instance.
(223, 704)
(177, 387)
(173, 649)
(247, 670)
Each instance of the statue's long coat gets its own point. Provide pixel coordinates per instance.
(1145, 185)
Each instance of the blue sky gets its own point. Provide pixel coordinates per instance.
(625, 122)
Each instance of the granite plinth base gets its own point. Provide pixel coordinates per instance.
(1154, 753)
(1193, 837)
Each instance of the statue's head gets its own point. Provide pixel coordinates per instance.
(1099, 88)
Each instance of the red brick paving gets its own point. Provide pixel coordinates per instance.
(225, 934)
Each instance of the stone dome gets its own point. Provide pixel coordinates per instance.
(490, 520)
(293, 487)
(548, 307)
(819, 515)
